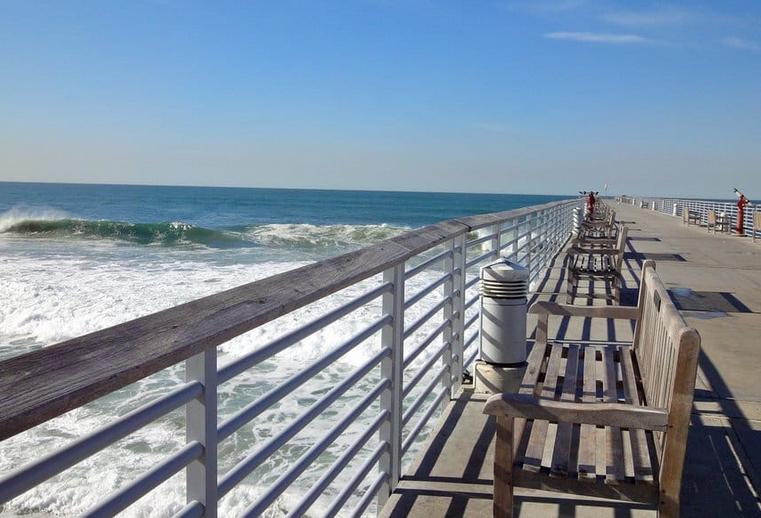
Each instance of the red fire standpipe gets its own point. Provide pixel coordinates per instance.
(742, 201)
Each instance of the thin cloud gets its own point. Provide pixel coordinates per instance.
(599, 37)
(741, 43)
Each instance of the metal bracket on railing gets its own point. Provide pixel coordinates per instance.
(392, 337)
(458, 309)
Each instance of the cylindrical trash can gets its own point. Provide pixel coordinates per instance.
(503, 288)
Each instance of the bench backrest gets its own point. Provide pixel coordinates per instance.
(667, 351)
(620, 246)
(711, 217)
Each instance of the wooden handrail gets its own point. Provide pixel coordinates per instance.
(43, 384)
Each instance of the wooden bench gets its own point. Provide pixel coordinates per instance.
(601, 420)
(596, 263)
(756, 225)
(690, 216)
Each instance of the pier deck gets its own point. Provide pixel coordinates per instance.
(716, 282)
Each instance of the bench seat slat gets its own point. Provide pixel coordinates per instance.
(561, 461)
(614, 463)
(643, 470)
(587, 450)
(532, 458)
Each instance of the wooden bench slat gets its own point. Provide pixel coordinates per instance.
(614, 460)
(586, 462)
(640, 452)
(532, 459)
(561, 462)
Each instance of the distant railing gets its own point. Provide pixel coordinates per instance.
(410, 384)
(676, 206)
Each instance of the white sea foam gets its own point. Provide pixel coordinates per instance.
(19, 214)
(307, 235)
(49, 297)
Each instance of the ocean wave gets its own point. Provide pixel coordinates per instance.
(169, 233)
(320, 236)
(59, 225)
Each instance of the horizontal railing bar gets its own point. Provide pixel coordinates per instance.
(293, 472)
(370, 493)
(37, 472)
(423, 420)
(426, 264)
(413, 408)
(254, 409)
(357, 479)
(423, 370)
(472, 301)
(252, 461)
(470, 340)
(471, 357)
(192, 510)
(428, 315)
(505, 245)
(483, 220)
(478, 241)
(246, 362)
(316, 490)
(122, 498)
(508, 229)
(472, 282)
(480, 258)
(470, 321)
(425, 343)
(417, 297)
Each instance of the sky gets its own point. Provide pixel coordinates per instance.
(542, 97)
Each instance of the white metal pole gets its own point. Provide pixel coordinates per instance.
(458, 304)
(201, 426)
(392, 336)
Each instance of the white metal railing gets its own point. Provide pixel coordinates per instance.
(415, 370)
(700, 208)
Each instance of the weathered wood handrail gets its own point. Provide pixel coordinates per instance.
(43, 384)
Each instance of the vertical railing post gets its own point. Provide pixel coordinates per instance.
(450, 332)
(201, 426)
(458, 309)
(496, 241)
(392, 337)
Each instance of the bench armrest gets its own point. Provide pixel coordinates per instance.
(568, 310)
(601, 414)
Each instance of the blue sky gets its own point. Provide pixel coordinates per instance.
(546, 96)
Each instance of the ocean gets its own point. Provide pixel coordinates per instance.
(77, 258)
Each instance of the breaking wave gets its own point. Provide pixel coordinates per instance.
(319, 236)
(59, 225)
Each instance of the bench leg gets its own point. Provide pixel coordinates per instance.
(572, 284)
(503, 468)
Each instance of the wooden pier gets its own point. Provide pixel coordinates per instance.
(715, 280)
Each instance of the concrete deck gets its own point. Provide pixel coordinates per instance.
(453, 475)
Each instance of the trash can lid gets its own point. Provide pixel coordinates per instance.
(503, 270)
